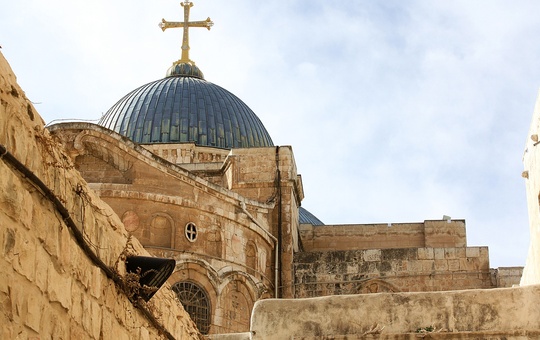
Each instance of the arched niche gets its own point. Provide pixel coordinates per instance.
(377, 286)
(251, 258)
(159, 231)
(236, 304)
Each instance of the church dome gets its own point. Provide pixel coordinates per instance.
(185, 108)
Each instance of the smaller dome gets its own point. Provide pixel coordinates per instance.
(185, 69)
(308, 218)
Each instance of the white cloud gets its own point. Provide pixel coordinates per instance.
(396, 111)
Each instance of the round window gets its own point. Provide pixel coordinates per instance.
(191, 232)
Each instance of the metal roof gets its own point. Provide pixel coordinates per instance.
(308, 218)
(181, 109)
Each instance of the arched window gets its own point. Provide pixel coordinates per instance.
(195, 302)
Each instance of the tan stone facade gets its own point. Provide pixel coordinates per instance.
(245, 202)
(221, 214)
(391, 270)
(55, 284)
(232, 205)
(416, 257)
(429, 234)
(229, 218)
(506, 313)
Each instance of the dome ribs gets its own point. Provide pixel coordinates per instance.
(186, 109)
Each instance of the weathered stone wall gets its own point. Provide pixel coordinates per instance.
(361, 236)
(506, 313)
(270, 175)
(433, 234)
(218, 238)
(50, 288)
(266, 175)
(531, 174)
(187, 153)
(506, 277)
(391, 270)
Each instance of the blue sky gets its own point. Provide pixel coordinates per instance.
(397, 111)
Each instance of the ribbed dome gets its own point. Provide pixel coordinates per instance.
(306, 217)
(181, 109)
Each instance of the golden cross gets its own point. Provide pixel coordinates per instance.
(186, 24)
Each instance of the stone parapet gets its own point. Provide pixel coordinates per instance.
(507, 276)
(433, 234)
(394, 270)
(506, 313)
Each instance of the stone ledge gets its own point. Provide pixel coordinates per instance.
(496, 313)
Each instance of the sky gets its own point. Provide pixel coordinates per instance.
(397, 111)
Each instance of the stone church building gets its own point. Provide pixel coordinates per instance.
(194, 175)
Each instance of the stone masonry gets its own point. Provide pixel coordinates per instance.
(50, 287)
(391, 270)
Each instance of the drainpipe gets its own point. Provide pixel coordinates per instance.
(276, 262)
(280, 232)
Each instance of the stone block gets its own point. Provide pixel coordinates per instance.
(77, 309)
(450, 253)
(106, 323)
(453, 265)
(484, 252)
(414, 266)
(472, 251)
(466, 264)
(59, 287)
(92, 317)
(441, 265)
(11, 198)
(17, 299)
(98, 278)
(483, 264)
(50, 236)
(41, 266)
(352, 268)
(9, 242)
(26, 259)
(7, 277)
(7, 329)
(400, 266)
(426, 253)
(439, 253)
(119, 332)
(77, 332)
(34, 306)
(372, 255)
(443, 234)
(144, 334)
(46, 326)
(59, 324)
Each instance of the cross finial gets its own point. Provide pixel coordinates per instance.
(186, 24)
